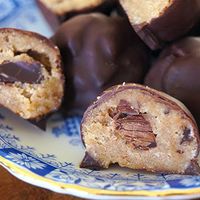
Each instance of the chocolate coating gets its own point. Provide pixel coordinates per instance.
(195, 31)
(89, 163)
(98, 52)
(176, 21)
(193, 168)
(176, 72)
(23, 72)
(40, 123)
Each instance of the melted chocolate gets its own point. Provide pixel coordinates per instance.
(132, 126)
(23, 72)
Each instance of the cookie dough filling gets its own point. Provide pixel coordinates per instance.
(145, 10)
(140, 128)
(61, 7)
(31, 80)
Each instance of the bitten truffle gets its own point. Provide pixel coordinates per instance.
(159, 22)
(98, 51)
(140, 128)
(56, 11)
(176, 72)
(31, 79)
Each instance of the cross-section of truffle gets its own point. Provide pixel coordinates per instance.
(57, 11)
(31, 80)
(140, 128)
(158, 22)
(98, 51)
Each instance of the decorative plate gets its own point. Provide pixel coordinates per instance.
(51, 159)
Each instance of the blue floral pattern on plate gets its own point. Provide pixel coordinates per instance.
(49, 166)
(56, 153)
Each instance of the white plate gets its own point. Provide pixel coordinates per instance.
(51, 159)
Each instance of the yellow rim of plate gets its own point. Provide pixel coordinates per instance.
(26, 173)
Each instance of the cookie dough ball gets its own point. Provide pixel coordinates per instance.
(98, 51)
(31, 79)
(176, 72)
(158, 22)
(140, 128)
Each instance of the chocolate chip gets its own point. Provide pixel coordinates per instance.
(152, 145)
(23, 72)
(180, 151)
(167, 111)
(186, 136)
(133, 127)
(89, 162)
(123, 110)
(125, 107)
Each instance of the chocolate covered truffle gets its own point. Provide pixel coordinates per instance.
(56, 11)
(176, 72)
(159, 22)
(98, 52)
(140, 128)
(31, 79)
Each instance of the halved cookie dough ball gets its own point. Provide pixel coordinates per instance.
(31, 79)
(158, 22)
(140, 128)
(98, 51)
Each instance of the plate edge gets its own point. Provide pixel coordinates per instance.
(17, 170)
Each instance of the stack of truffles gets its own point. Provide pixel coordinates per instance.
(129, 67)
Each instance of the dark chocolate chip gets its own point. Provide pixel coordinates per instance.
(125, 107)
(152, 145)
(186, 136)
(131, 125)
(23, 72)
(180, 151)
(167, 111)
(89, 162)
(123, 110)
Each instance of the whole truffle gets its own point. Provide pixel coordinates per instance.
(176, 72)
(98, 51)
